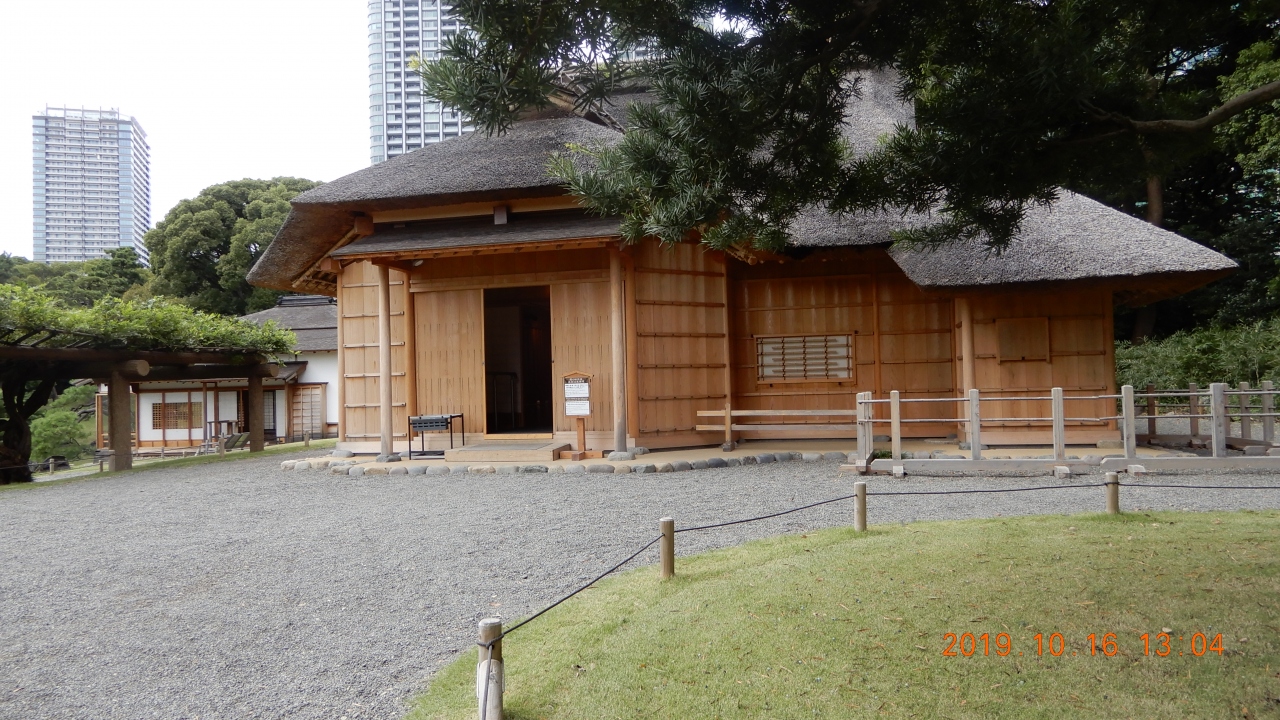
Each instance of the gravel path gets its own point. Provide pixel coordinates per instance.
(238, 590)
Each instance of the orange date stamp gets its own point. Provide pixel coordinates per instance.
(1161, 644)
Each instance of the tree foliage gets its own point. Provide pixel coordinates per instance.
(205, 246)
(1014, 99)
(79, 283)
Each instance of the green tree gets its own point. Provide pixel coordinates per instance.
(58, 433)
(90, 281)
(111, 323)
(202, 250)
(1014, 100)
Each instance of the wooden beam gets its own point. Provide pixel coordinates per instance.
(154, 357)
(166, 373)
(385, 398)
(342, 365)
(120, 423)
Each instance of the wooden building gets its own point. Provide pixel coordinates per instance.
(469, 282)
(176, 412)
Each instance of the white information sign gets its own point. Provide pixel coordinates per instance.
(577, 396)
(577, 389)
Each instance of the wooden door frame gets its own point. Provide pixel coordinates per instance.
(484, 353)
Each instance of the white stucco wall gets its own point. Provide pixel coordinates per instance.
(322, 367)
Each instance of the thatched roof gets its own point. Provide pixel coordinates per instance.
(467, 168)
(312, 318)
(1075, 239)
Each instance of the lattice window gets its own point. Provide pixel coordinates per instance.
(177, 415)
(807, 357)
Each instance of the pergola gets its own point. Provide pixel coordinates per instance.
(119, 368)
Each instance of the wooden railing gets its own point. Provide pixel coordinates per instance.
(863, 419)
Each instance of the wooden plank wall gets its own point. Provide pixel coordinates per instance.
(902, 338)
(358, 313)
(449, 305)
(679, 341)
(581, 337)
(1080, 358)
(451, 354)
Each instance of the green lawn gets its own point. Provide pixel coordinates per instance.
(833, 624)
(77, 471)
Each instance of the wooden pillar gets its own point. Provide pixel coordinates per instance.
(97, 418)
(630, 323)
(727, 319)
(411, 354)
(342, 371)
(253, 416)
(964, 316)
(385, 419)
(121, 422)
(618, 350)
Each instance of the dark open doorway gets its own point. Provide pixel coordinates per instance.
(517, 359)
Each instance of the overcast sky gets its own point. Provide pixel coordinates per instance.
(225, 89)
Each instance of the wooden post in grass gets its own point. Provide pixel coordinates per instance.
(895, 423)
(1058, 411)
(1268, 407)
(1218, 409)
(306, 438)
(1246, 425)
(667, 547)
(860, 506)
(489, 670)
(1127, 413)
(222, 445)
(1113, 493)
(1193, 408)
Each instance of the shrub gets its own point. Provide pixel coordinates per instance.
(58, 433)
(1248, 353)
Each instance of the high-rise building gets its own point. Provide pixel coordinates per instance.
(91, 178)
(400, 118)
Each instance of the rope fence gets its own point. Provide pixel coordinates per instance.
(489, 667)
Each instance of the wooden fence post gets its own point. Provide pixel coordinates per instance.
(1059, 425)
(1113, 493)
(489, 681)
(728, 429)
(306, 438)
(1193, 408)
(222, 445)
(1130, 422)
(895, 423)
(667, 547)
(1246, 425)
(860, 506)
(864, 435)
(1152, 410)
(975, 425)
(1268, 407)
(1218, 409)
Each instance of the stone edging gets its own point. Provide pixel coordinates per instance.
(352, 467)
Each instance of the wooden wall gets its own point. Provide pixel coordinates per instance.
(678, 341)
(449, 307)
(358, 333)
(1066, 338)
(902, 338)
(693, 319)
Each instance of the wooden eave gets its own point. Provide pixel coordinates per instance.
(384, 258)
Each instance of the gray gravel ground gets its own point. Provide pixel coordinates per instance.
(238, 590)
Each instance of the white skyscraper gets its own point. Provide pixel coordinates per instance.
(400, 118)
(91, 182)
